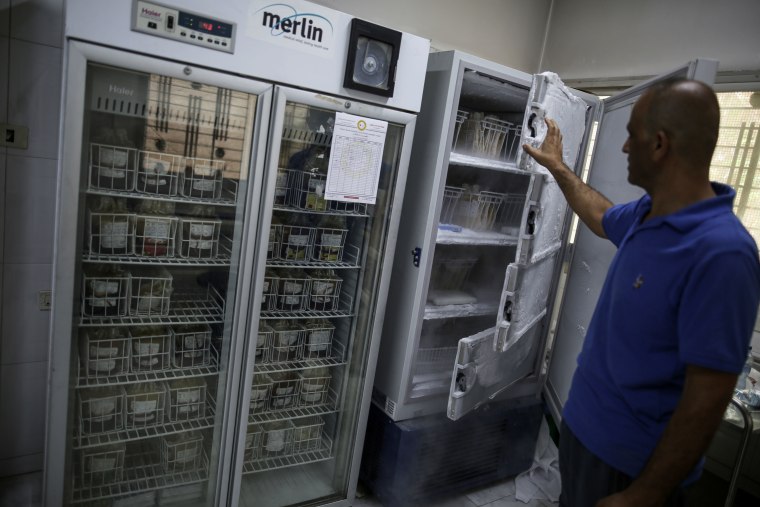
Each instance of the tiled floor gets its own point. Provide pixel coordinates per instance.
(25, 491)
(21, 490)
(501, 494)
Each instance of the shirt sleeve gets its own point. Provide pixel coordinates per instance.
(717, 313)
(618, 220)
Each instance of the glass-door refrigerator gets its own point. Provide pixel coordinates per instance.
(224, 249)
(153, 276)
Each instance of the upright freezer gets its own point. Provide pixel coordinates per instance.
(483, 240)
(223, 251)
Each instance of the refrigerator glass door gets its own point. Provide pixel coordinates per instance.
(154, 196)
(323, 269)
(493, 360)
(592, 255)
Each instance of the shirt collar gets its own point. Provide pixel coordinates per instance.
(689, 217)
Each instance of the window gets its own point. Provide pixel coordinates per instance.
(735, 161)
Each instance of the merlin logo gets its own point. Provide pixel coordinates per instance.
(299, 24)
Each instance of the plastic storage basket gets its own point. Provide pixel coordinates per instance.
(112, 167)
(202, 178)
(157, 173)
(150, 291)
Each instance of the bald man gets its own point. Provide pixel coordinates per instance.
(674, 319)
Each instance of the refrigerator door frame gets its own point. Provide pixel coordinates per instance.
(283, 94)
(77, 55)
(577, 262)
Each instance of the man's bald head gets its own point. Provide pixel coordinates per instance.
(688, 112)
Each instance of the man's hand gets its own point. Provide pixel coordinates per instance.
(549, 154)
(589, 204)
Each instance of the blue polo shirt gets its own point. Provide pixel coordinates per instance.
(682, 289)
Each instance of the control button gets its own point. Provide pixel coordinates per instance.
(224, 43)
(200, 38)
(152, 25)
(216, 42)
(170, 22)
(208, 40)
(183, 34)
(192, 36)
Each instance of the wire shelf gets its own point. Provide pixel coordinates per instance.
(346, 304)
(329, 407)
(324, 453)
(149, 376)
(337, 358)
(142, 472)
(223, 258)
(350, 261)
(228, 197)
(354, 210)
(187, 308)
(128, 435)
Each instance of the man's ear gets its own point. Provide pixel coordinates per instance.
(661, 145)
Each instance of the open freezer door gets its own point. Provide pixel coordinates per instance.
(592, 255)
(493, 360)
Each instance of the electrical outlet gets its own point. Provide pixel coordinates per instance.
(45, 299)
(14, 136)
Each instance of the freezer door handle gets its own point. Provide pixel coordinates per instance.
(416, 255)
(531, 119)
(466, 374)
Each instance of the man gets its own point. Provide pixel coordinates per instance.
(673, 322)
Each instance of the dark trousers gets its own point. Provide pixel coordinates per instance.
(586, 479)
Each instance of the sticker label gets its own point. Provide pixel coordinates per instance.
(114, 234)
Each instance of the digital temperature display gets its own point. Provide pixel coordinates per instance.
(205, 25)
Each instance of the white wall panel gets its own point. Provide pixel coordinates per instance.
(34, 91)
(5, 17)
(22, 465)
(25, 327)
(39, 21)
(4, 63)
(30, 193)
(599, 38)
(22, 400)
(509, 32)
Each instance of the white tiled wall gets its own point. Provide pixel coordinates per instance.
(3, 75)
(4, 18)
(25, 330)
(30, 70)
(34, 95)
(29, 222)
(38, 21)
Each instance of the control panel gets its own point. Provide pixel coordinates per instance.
(189, 27)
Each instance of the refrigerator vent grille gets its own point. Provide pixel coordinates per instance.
(123, 107)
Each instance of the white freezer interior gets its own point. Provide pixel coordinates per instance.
(486, 216)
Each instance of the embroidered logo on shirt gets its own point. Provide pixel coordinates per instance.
(638, 282)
